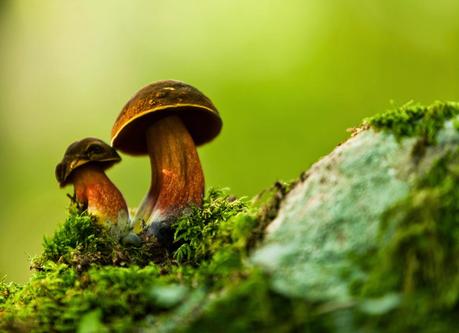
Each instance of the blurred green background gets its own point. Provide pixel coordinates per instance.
(288, 76)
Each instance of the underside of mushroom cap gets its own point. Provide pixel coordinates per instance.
(158, 100)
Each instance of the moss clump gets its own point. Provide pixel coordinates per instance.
(415, 120)
(80, 242)
(226, 221)
(206, 230)
(216, 241)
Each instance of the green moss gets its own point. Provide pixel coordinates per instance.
(415, 120)
(206, 230)
(86, 278)
(80, 243)
(58, 297)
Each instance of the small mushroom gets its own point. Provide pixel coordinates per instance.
(84, 166)
(167, 120)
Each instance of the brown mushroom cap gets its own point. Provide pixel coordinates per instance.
(160, 99)
(85, 151)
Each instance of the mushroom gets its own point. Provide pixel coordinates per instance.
(84, 166)
(167, 120)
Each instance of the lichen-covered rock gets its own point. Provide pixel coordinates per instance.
(367, 240)
(373, 200)
(335, 212)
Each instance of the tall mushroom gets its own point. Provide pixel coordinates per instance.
(84, 166)
(167, 120)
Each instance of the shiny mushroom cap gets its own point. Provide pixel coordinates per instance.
(88, 150)
(160, 99)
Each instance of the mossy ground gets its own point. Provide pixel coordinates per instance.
(87, 280)
(408, 280)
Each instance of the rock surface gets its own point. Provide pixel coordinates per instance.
(334, 213)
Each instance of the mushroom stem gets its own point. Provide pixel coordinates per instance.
(94, 190)
(177, 179)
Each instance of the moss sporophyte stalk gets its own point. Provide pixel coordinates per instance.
(406, 280)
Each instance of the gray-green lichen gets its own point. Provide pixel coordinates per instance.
(333, 212)
(366, 241)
